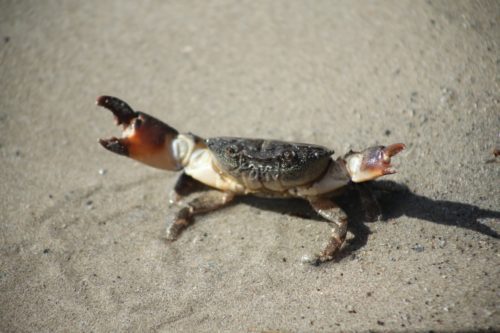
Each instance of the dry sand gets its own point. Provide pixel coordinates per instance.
(82, 252)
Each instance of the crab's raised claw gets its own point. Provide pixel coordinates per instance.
(145, 138)
(372, 162)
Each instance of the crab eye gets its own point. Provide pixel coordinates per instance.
(288, 155)
(231, 150)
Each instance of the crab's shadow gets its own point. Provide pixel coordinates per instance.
(395, 200)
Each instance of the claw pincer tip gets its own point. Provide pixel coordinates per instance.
(121, 110)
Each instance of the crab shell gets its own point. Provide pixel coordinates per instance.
(269, 164)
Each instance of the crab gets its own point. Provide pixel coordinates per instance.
(232, 166)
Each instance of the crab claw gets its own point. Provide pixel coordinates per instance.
(388, 152)
(372, 163)
(145, 138)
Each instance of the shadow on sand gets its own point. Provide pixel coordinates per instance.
(395, 200)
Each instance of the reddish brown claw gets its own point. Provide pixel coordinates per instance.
(144, 138)
(372, 162)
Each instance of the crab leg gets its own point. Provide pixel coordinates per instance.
(184, 186)
(333, 213)
(145, 138)
(207, 202)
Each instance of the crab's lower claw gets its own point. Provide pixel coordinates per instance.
(115, 145)
(145, 138)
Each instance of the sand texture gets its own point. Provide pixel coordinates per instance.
(82, 230)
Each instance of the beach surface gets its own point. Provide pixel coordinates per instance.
(82, 231)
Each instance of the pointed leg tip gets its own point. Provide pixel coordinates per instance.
(313, 260)
(170, 238)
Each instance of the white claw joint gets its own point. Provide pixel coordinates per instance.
(147, 139)
(371, 163)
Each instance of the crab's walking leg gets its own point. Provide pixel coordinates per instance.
(184, 186)
(369, 203)
(338, 218)
(206, 202)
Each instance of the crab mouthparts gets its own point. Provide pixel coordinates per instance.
(389, 152)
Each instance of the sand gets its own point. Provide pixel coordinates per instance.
(82, 230)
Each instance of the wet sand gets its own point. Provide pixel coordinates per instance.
(82, 230)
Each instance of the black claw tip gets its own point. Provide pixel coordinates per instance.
(114, 145)
(122, 111)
